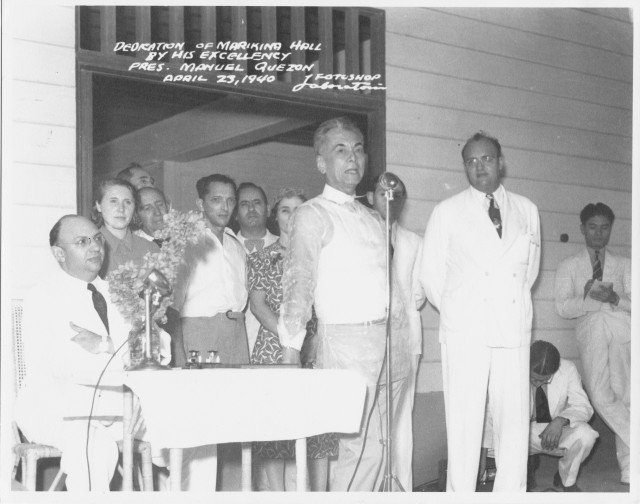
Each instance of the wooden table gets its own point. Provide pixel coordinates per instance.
(187, 408)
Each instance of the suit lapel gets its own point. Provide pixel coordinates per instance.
(480, 225)
(585, 264)
(513, 223)
(609, 265)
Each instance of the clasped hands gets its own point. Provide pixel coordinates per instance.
(605, 294)
(550, 436)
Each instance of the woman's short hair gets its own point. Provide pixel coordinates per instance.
(285, 192)
(99, 193)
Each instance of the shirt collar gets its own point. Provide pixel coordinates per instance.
(227, 231)
(332, 194)
(242, 238)
(114, 241)
(481, 197)
(601, 253)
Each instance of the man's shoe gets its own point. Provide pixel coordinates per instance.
(557, 482)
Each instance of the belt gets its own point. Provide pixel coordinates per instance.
(231, 315)
(379, 321)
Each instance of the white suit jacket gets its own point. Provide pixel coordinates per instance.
(406, 268)
(566, 398)
(574, 272)
(54, 363)
(481, 283)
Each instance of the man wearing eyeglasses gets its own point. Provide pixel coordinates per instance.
(481, 254)
(70, 331)
(560, 410)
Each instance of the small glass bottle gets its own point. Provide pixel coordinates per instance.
(213, 357)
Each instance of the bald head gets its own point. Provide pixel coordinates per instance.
(78, 246)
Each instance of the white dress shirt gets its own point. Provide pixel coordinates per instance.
(336, 262)
(213, 277)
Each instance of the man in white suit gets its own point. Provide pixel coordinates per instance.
(71, 332)
(603, 329)
(406, 333)
(481, 254)
(560, 410)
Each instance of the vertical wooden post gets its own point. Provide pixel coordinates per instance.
(269, 31)
(352, 40)
(84, 157)
(143, 26)
(176, 24)
(325, 30)
(208, 27)
(107, 29)
(298, 34)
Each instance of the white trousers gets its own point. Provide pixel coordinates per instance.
(469, 373)
(606, 364)
(575, 445)
(360, 348)
(403, 429)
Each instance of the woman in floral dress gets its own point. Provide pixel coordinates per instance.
(265, 296)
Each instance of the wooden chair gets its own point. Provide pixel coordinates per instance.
(30, 453)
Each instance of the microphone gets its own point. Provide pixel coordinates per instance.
(156, 280)
(388, 181)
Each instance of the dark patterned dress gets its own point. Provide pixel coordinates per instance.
(265, 274)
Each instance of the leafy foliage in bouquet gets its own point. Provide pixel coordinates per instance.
(126, 282)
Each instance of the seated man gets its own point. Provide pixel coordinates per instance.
(71, 331)
(559, 416)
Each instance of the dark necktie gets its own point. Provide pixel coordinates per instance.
(494, 215)
(100, 304)
(252, 244)
(597, 268)
(158, 242)
(391, 251)
(542, 406)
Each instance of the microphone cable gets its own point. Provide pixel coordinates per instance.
(93, 398)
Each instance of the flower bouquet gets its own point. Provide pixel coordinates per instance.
(127, 281)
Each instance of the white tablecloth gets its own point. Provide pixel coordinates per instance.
(185, 408)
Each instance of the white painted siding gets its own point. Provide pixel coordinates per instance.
(39, 166)
(554, 85)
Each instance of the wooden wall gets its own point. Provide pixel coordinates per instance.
(555, 86)
(39, 161)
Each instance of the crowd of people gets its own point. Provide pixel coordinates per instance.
(304, 281)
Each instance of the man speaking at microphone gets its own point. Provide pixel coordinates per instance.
(336, 263)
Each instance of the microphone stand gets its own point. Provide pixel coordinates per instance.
(154, 281)
(389, 478)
